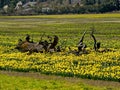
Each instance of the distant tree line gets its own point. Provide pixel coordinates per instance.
(66, 6)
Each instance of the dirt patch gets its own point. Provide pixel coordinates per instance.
(39, 76)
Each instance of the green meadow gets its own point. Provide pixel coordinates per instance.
(69, 29)
(33, 81)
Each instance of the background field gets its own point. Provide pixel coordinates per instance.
(69, 28)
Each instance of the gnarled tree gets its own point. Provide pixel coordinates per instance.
(96, 44)
(81, 45)
(52, 46)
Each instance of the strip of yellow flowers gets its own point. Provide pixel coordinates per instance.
(105, 66)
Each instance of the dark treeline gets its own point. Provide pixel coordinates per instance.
(64, 6)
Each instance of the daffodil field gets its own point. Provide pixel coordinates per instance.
(69, 29)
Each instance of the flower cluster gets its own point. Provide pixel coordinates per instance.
(105, 66)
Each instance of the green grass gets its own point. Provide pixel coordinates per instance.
(27, 83)
(22, 83)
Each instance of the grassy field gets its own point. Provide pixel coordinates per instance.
(69, 28)
(36, 81)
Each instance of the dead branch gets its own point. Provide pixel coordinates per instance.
(96, 44)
